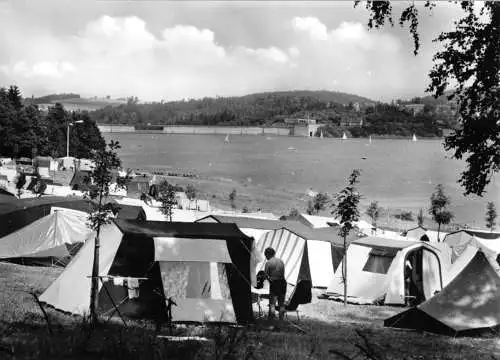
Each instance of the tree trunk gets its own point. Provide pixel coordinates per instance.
(94, 290)
(344, 271)
(439, 230)
(95, 280)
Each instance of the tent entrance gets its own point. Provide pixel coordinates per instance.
(422, 273)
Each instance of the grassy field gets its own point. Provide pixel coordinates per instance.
(325, 327)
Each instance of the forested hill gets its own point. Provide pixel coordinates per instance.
(254, 109)
(322, 95)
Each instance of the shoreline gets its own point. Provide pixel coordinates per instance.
(374, 137)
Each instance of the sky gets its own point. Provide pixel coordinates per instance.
(170, 50)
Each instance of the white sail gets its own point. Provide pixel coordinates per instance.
(370, 139)
(226, 140)
(414, 138)
(321, 135)
(344, 136)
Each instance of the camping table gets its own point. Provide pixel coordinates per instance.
(260, 294)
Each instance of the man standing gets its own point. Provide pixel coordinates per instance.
(275, 273)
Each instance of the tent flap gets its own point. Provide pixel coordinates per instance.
(180, 249)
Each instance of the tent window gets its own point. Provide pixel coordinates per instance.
(378, 263)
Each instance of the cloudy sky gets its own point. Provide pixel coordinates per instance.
(188, 49)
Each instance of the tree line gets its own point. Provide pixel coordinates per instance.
(27, 132)
(272, 109)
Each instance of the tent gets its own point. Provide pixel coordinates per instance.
(376, 271)
(488, 242)
(417, 233)
(154, 214)
(17, 214)
(203, 268)
(308, 254)
(50, 239)
(250, 226)
(468, 305)
(317, 222)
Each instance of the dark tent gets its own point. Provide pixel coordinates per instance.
(467, 305)
(203, 267)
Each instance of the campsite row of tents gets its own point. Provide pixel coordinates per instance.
(207, 265)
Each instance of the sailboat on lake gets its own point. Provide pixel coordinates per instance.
(321, 135)
(344, 136)
(226, 140)
(414, 138)
(370, 139)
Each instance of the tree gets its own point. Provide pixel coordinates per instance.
(40, 187)
(491, 215)
(20, 182)
(317, 204)
(105, 161)
(373, 212)
(420, 218)
(346, 209)
(438, 209)
(232, 198)
(167, 198)
(469, 62)
(191, 194)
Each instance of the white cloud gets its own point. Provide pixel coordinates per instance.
(315, 28)
(121, 56)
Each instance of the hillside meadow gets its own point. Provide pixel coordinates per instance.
(326, 330)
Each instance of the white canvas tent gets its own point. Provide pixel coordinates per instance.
(311, 254)
(376, 271)
(48, 236)
(203, 268)
(154, 214)
(488, 242)
(418, 232)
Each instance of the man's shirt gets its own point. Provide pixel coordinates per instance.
(275, 269)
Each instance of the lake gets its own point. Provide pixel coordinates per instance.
(397, 173)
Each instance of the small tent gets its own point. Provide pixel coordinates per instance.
(317, 222)
(488, 242)
(48, 240)
(422, 234)
(468, 305)
(203, 268)
(376, 271)
(254, 227)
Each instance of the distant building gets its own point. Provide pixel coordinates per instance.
(300, 121)
(414, 108)
(302, 127)
(356, 107)
(351, 121)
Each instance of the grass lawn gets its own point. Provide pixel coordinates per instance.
(326, 325)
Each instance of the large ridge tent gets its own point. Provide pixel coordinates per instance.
(488, 242)
(376, 271)
(203, 268)
(469, 304)
(52, 239)
(309, 254)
